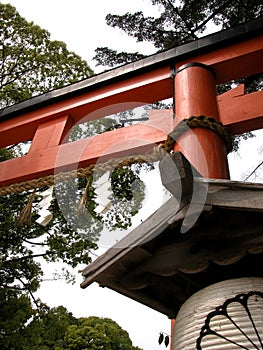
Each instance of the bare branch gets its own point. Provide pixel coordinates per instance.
(30, 256)
(254, 171)
(35, 243)
(30, 293)
(17, 76)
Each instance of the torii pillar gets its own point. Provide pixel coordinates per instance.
(195, 91)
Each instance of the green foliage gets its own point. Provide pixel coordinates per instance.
(128, 194)
(18, 268)
(127, 188)
(30, 62)
(92, 128)
(22, 328)
(95, 333)
(108, 57)
(55, 329)
(21, 249)
(56, 241)
(15, 312)
(122, 181)
(50, 328)
(81, 229)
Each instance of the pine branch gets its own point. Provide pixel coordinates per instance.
(178, 13)
(219, 9)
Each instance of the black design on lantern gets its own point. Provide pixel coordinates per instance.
(230, 322)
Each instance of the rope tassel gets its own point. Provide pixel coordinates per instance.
(83, 200)
(26, 213)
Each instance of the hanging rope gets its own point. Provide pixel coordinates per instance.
(155, 155)
(83, 200)
(26, 214)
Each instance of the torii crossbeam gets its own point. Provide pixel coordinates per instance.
(189, 72)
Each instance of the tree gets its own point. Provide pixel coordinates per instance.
(49, 329)
(23, 246)
(56, 328)
(97, 333)
(179, 22)
(16, 310)
(30, 62)
(22, 329)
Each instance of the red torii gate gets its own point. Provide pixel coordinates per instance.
(217, 58)
(189, 72)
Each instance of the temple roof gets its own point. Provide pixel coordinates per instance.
(160, 265)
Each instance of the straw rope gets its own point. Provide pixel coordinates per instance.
(155, 155)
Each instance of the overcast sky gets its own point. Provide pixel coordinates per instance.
(81, 25)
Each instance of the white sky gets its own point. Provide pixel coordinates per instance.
(81, 25)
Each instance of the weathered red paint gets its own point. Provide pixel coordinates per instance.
(238, 111)
(234, 61)
(47, 126)
(241, 112)
(172, 330)
(47, 154)
(195, 91)
(133, 92)
(50, 134)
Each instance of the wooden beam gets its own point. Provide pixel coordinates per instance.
(47, 155)
(97, 103)
(233, 61)
(239, 111)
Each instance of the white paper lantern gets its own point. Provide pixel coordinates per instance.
(226, 315)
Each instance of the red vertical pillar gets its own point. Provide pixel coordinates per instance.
(195, 95)
(172, 329)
